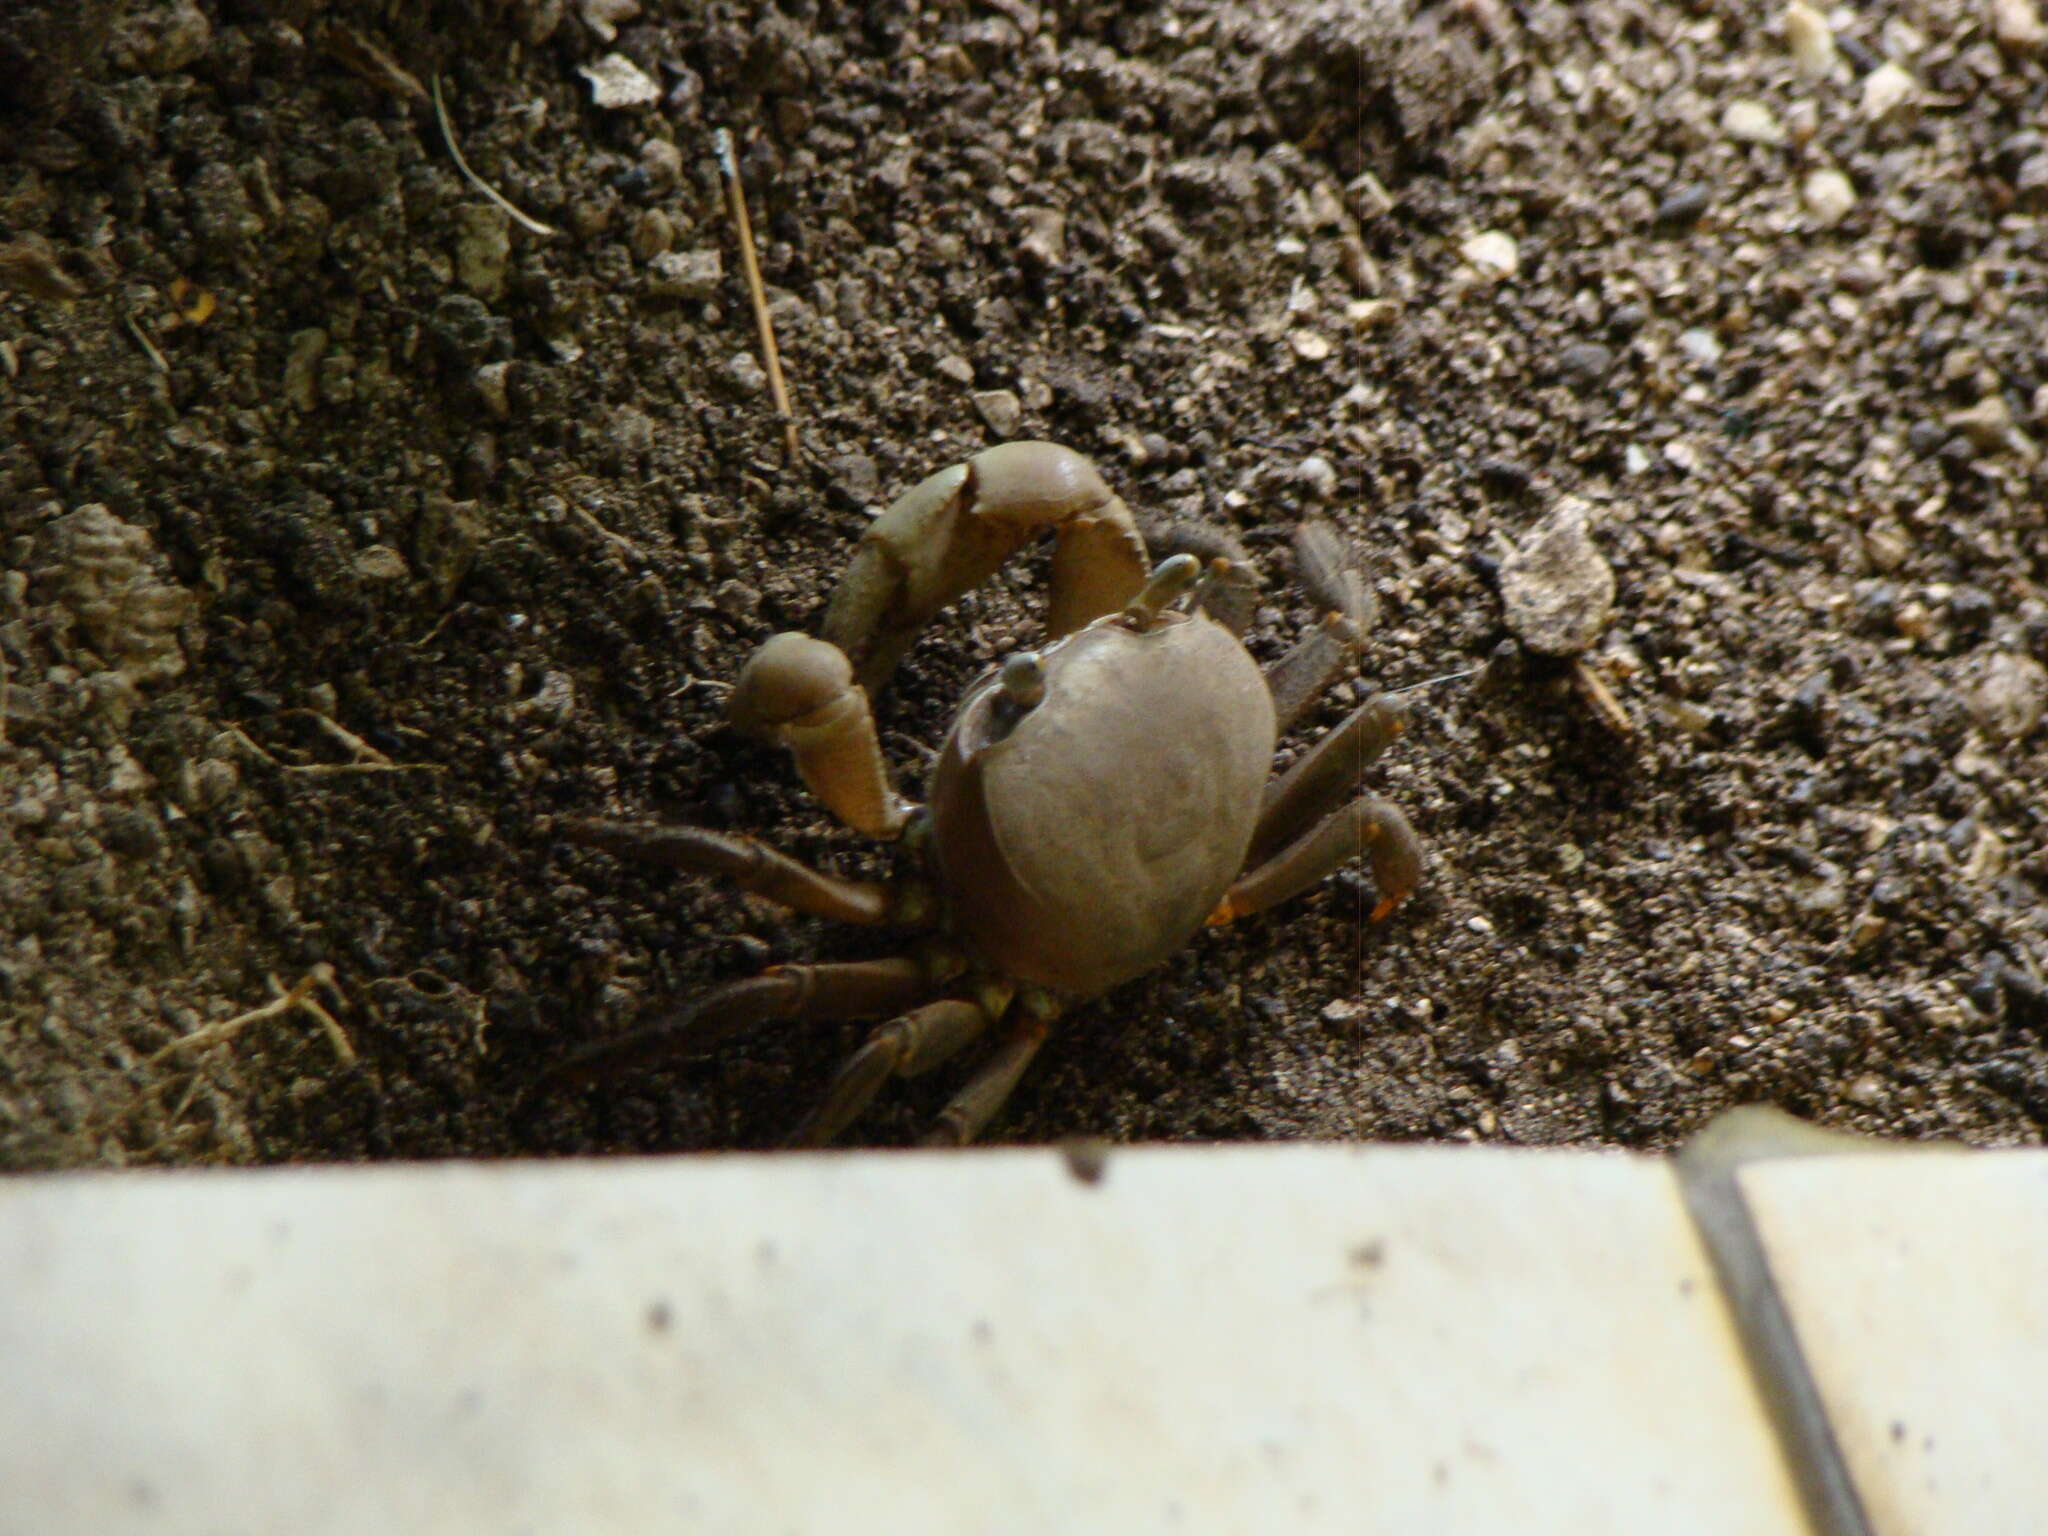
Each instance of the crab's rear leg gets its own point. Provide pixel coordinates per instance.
(1327, 567)
(1325, 775)
(952, 531)
(971, 1109)
(755, 867)
(859, 989)
(904, 1047)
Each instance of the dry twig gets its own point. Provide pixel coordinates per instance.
(736, 201)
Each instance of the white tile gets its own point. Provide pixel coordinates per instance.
(1260, 1340)
(1918, 1286)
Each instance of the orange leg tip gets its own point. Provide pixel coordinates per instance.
(1386, 906)
(1225, 912)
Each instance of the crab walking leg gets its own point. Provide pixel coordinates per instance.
(904, 1047)
(952, 531)
(750, 865)
(858, 989)
(800, 693)
(1324, 775)
(1367, 825)
(1314, 662)
(976, 1104)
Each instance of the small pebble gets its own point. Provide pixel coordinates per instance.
(1557, 589)
(855, 476)
(736, 599)
(493, 382)
(1866, 1091)
(1309, 346)
(616, 82)
(1044, 235)
(2011, 699)
(380, 563)
(662, 164)
(652, 234)
(1683, 207)
(1810, 38)
(483, 249)
(1001, 409)
(955, 367)
(1828, 195)
(1749, 121)
(2017, 25)
(1987, 424)
(1318, 475)
(1885, 90)
(1504, 477)
(1701, 345)
(688, 275)
(1492, 254)
(1584, 364)
(743, 375)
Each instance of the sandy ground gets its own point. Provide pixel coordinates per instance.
(354, 532)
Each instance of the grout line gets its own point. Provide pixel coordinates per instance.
(1707, 1169)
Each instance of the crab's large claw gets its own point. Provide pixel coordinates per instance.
(800, 693)
(952, 531)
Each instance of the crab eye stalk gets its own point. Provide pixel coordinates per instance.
(1023, 682)
(1170, 579)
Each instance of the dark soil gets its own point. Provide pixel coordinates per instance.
(354, 533)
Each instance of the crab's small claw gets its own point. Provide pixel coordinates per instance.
(800, 693)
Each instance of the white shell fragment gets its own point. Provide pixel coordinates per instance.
(1557, 589)
(616, 81)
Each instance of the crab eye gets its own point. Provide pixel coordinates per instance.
(1023, 681)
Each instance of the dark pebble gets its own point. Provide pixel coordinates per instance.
(1504, 477)
(1585, 364)
(468, 332)
(1924, 437)
(1682, 209)
(1626, 320)
(1806, 716)
(1971, 610)
(2025, 995)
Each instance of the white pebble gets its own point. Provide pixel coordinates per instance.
(2017, 25)
(1001, 409)
(1492, 254)
(1309, 346)
(1701, 345)
(1810, 38)
(1319, 475)
(1828, 195)
(2012, 697)
(1749, 121)
(1888, 88)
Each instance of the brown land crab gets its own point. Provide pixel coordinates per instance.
(1094, 803)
